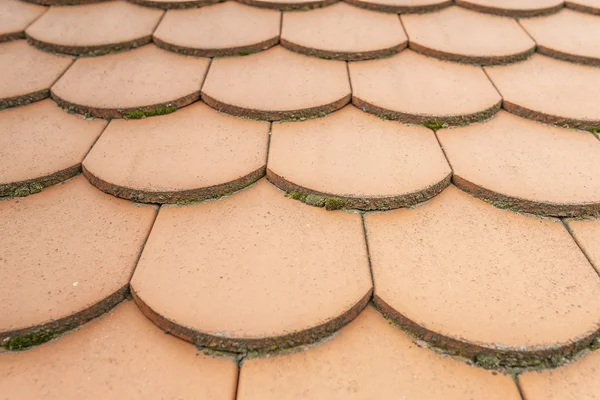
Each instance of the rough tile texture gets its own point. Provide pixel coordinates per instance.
(276, 84)
(443, 35)
(568, 35)
(527, 166)
(253, 271)
(226, 29)
(94, 28)
(115, 85)
(343, 32)
(193, 154)
(370, 163)
(576, 381)
(15, 16)
(40, 144)
(587, 6)
(570, 100)
(70, 249)
(121, 355)
(586, 234)
(369, 359)
(413, 88)
(513, 8)
(479, 280)
(27, 73)
(401, 6)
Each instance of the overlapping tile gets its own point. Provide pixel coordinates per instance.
(15, 16)
(414, 88)
(288, 5)
(524, 165)
(41, 145)
(367, 162)
(586, 234)
(27, 73)
(276, 84)
(224, 29)
(550, 91)
(63, 2)
(120, 355)
(131, 84)
(443, 35)
(575, 381)
(94, 28)
(568, 35)
(513, 8)
(587, 6)
(171, 4)
(193, 154)
(68, 254)
(369, 359)
(343, 32)
(505, 288)
(401, 6)
(255, 271)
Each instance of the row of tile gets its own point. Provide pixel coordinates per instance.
(198, 153)
(339, 31)
(464, 275)
(367, 359)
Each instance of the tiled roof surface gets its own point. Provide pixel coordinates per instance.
(300, 199)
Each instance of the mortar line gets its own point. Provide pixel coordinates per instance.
(239, 373)
(364, 224)
(568, 228)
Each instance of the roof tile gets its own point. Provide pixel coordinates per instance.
(171, 4)
(401, 6)
(513, 8)
(15, 16)
(289, 4)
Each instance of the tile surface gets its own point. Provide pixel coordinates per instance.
(586, 233)
(513, 8)
(15, 16)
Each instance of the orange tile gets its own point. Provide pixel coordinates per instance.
(15, 16)
(253, 271)
(120, 355)
(513, 8)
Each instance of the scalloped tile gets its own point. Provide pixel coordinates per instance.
(15, 16)
(443, 35)
(371, 163)
(575, 381)
(193, 154)
(414, 88)
(276, 84)
(146, 78)
(253, 271)
(223, 29)
(174, 4)
(401, 6)
(93, 28)
(369, 359)
(68, 254)
(533, 167)
(571, 98)
(586, 232)
(513, 8)
(27, 73)
(587, 6)
(63, 2)
(120, 355)
(343, 32)
(568, 35)
(289, 4)
(42, 144)
(477, 279)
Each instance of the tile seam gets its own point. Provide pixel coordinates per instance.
(568, 228)
(137, 261)
(364, 226)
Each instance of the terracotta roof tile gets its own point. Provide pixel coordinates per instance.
(124, 84)
(513, 8)
(369, 359)
(370, 163)
(568, 35)
(27, 73)
(343, 32)
(228, 28)
(276, 84)
(94, 28)
(120, 355)
(588, 6)
(68, 255)
(193, 154)
(550, 91)
(525, 165)
(443, 35)
(414, 88)
(253, 271)
(480, 280)
(41, 145)
(401, 6)
(15, 16)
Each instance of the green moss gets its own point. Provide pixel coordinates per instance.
(297, 196)
(26, 190)
(315, 200)
(244, 52)
(35, 188)
(334, 203)
(595, 344)
(435, 124)
(26, 341)
(139, 114)
(595, 130)
(487, 361)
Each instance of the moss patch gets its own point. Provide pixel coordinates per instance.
(334, 203)
(139, 114)
(595, 130)
(315, 200)
(297, 196)
(23, 342)
(435, 124)
(26, 190)
(244, 52)
(487, 361)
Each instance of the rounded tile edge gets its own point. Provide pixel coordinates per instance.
(35, 185)
(574, 58)
(476, 60)
(371, 5)
(563, 122)
(225, 52)
(582, 8)
(298, 5)
(96, 50)
(365, 203)
(510, 13)
(64, 2)
(24, 99)
(344, 56)
(168, 5)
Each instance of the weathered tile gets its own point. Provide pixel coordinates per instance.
(513, 8)
(15, 16)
